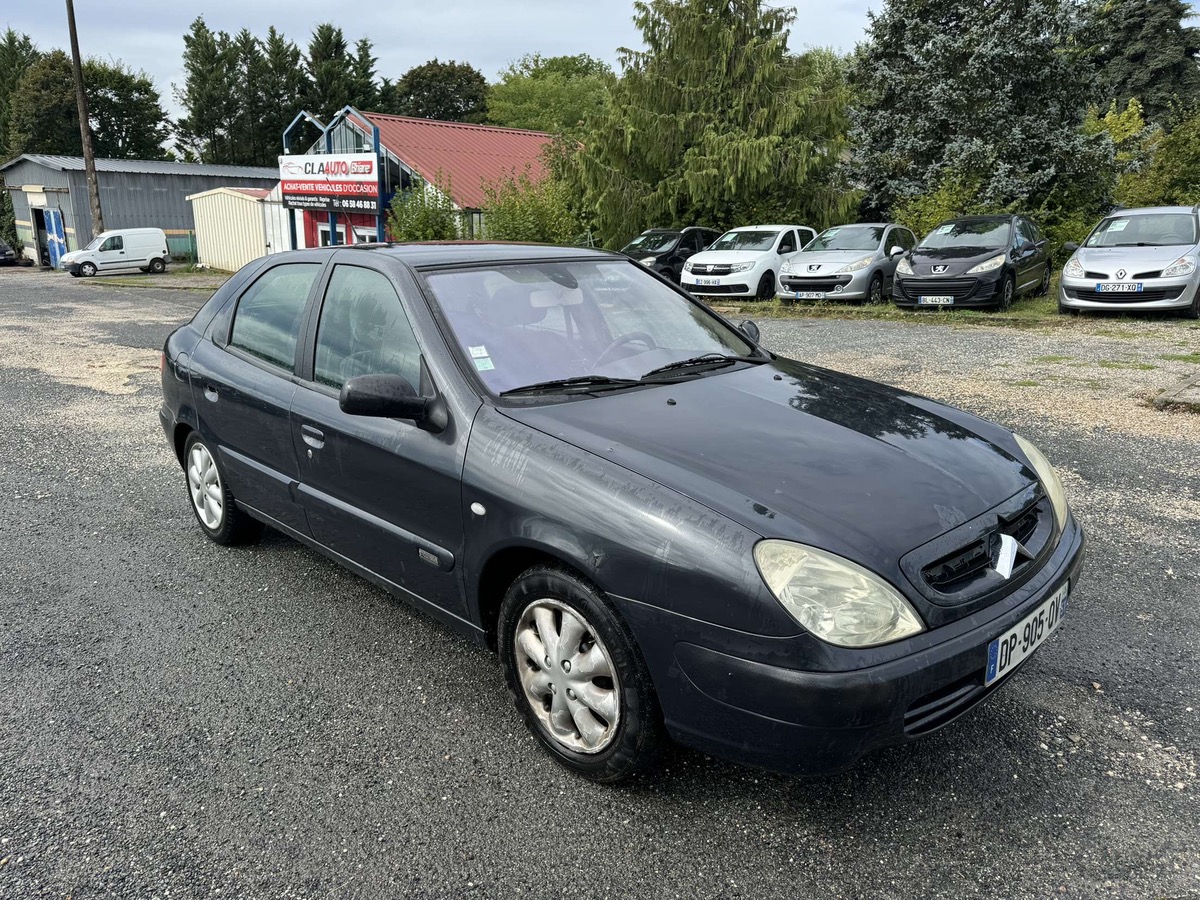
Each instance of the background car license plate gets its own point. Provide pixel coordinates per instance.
(1118, 287)
(810, 295)
(708, 281)
(1013, 647)
(936, 301)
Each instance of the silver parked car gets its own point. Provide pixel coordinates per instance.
(1134, 260)
(849, 262)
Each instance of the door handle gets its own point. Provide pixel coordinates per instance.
(314, 437)
(210, 393)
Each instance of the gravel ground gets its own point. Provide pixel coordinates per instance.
(182, 720)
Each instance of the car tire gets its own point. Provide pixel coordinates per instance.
(618, 731)
(1064, 310)
(1043, 289)
(875, 290)
(1008, 291)
(157, 266)
(766, 287)
(87, 269)
(211, 500)
(1193, 311)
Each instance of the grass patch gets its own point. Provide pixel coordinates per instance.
(1027, 383)
(1120, 364)
(1182, 357)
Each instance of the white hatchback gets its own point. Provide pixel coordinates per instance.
(744, 262)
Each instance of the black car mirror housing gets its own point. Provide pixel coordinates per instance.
(392, 397)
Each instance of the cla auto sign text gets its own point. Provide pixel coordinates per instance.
(336, 168)
(347, 182)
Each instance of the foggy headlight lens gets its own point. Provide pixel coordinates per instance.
(1051, 483)
(649, 261)
(990, 266)
(1074, 269)
(837, 600)
(1185, 265)
(904, 267)
(741, 267)
(857, 265)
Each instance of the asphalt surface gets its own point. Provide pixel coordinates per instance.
(183, 720)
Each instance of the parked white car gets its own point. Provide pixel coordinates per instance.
(123, 250)
(744, 262)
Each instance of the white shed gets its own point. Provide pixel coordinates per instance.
(237, 225)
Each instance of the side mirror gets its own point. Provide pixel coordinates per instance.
(390, 397)
(1070, 246)
(750, 330)
(895, 251)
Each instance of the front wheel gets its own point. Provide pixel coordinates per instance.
(766, 287)
(577, 677)
(212, 503)
(1007, 290)
(1044, 287)
(875, 291)
(87, 270)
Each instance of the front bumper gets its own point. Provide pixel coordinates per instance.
(968, 291)
(803, 722)
(736, 284)
(853, 286)
(1156, 294)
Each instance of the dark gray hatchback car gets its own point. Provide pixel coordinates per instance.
(662, 528)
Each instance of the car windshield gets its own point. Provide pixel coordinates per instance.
(745, 240)
(521, 324)
(1154, 230)
(96, 242)
(857, 237)
(654, 242)
(984, 233)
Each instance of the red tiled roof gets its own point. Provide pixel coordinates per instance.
(256, 193)
(469, 155)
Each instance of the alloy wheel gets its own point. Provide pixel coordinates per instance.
(567, 676)
(204, 484)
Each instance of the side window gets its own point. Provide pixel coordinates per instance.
(114, 243)
(788, 243)
(1024, 233)
(266, 323)
(364, 331)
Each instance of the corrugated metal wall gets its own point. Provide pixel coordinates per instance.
(56, 196)
(230, 231)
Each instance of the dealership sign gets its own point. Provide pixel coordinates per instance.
(333, 182)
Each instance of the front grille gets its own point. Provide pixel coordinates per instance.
(1100, 276)
(828, 285)
(1146, 296)
(714, 269)
(718, 288)
(959, 571)
(1140, 275)
(943, 706)
(958, 288)
(1096, 276)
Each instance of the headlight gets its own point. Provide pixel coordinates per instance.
(858, 265)
(649, 260)
(1185, 265)
(838, 601)
(990, 266)
(687, 266)
(1074, 269)
(740, 267)
(1051, 483)
(904, 267)
(787, 266)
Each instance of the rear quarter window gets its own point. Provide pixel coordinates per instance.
(266, 323)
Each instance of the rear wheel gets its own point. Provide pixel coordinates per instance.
(766, 287)
(577, 677)
(212, 503)
(1007, 290)
(87, 270)
(157, 266)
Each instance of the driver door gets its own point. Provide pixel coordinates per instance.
(111, 255)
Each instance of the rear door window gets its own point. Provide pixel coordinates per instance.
(266, 324)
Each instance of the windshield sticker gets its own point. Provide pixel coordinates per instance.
(1118, 225)
(484, 364)
(479, 352)
(945, 229)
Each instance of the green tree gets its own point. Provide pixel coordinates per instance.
(363, 91)
(250, 141)
(1173, 176)
(979, 102)
(450, 91)
(556, 94)
(127, 117)
(43, 117)
(714, 123)
(329, 72)
(425, 212)
(17, 54)
(1144, 51)
(521, 208)
(208, 96)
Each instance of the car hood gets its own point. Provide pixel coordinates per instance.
(1110, 260)
(726, 257)
(828, 260)
(801, 453)
(957, 260)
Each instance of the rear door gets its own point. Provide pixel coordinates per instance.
(1029, 260)
(242, 386)
(380, 492)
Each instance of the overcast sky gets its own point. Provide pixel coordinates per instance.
(148, 34)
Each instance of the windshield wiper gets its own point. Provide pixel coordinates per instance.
(587, 383)
(704, 361)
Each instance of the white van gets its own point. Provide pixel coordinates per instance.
(124, 250)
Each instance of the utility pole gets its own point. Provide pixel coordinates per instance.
(85, 131)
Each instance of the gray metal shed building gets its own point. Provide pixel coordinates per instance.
(133, 194)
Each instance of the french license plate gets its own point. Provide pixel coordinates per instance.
(708, 281)
(1011, 649)
(1119, 287)
(810, 295)
(935, 301)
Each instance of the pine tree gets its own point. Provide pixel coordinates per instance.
(713, 123)
(363, 92)
(43, 117)
(208, 95)
(17, 54)
(251, 143)
(1145, 52)
(329, 72)
(284, 88)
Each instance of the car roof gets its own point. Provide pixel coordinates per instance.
(865, 225)
(1151, 210)
(764, 227)
(451, 253)
(1004, 218)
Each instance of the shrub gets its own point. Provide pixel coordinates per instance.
(521, 209)
(425, 212)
